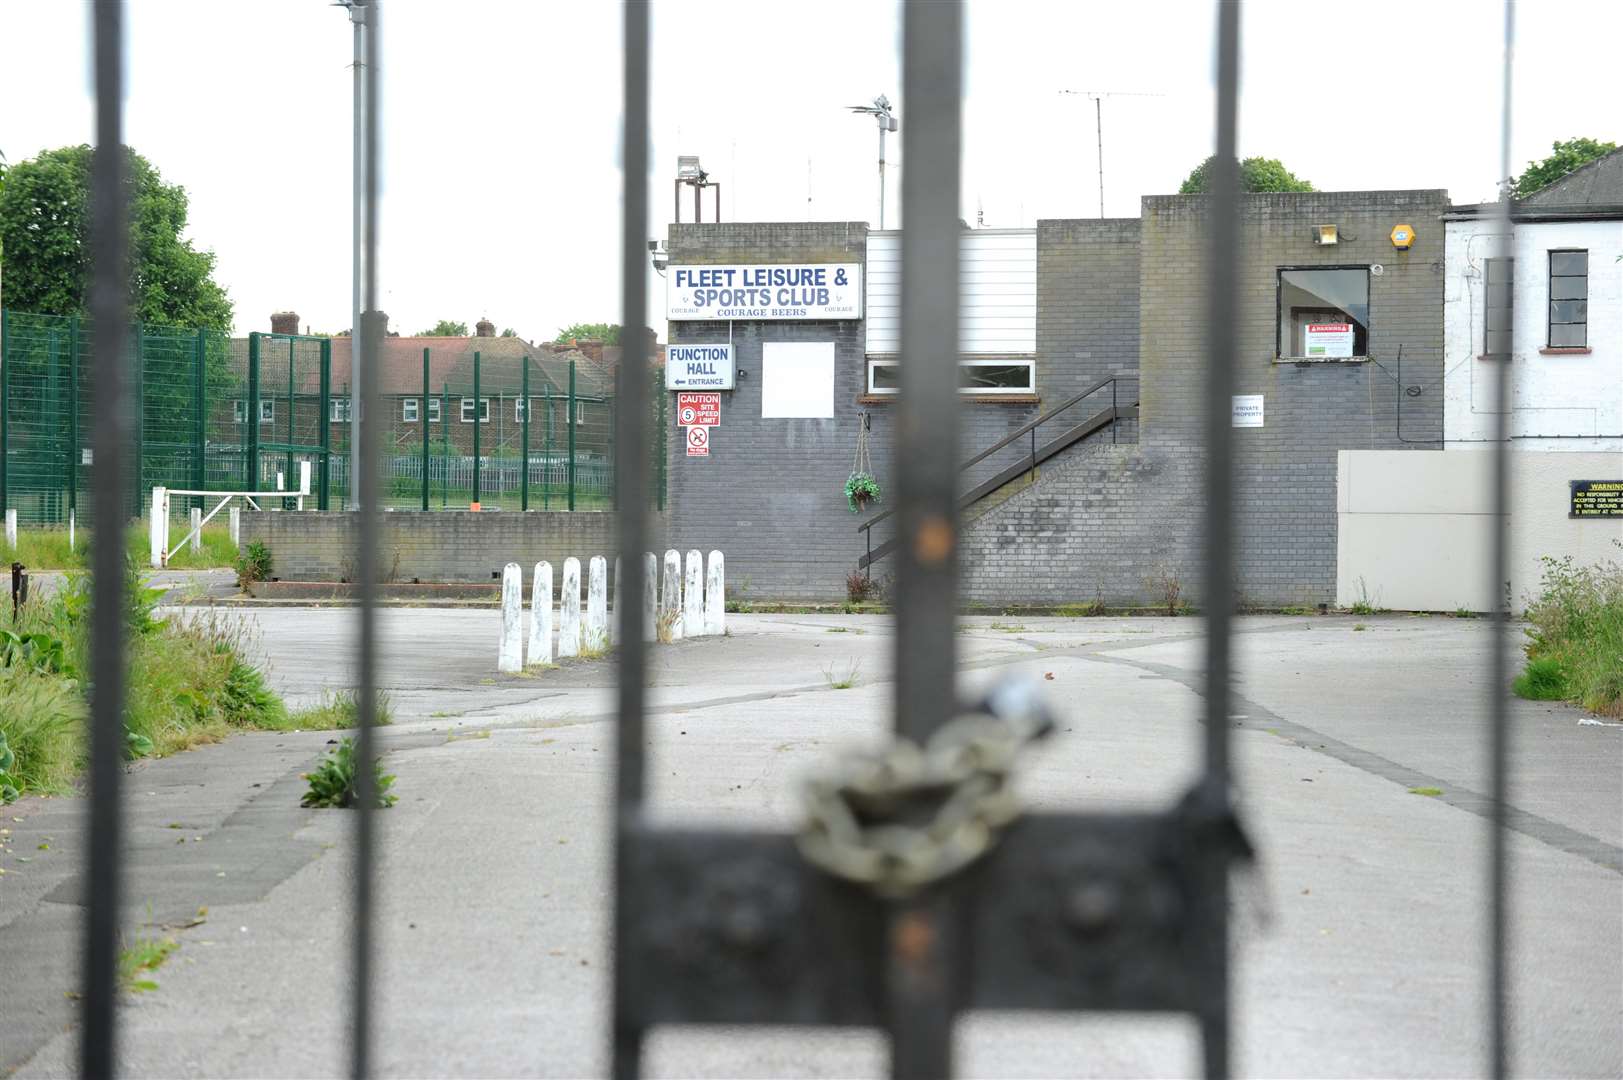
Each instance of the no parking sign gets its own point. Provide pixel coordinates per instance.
(698, 442)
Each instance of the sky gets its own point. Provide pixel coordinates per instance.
(501, 183)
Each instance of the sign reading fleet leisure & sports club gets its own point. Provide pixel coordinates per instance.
(771, 291)
(699, 367)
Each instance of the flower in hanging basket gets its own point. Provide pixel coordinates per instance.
(860, 490)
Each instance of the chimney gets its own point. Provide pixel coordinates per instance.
(484, 328)
(285, 322)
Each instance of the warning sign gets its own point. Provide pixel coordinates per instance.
(698, 442)
(1596, 498)
(698, 410)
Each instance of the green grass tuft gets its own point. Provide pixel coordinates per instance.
(336, 711)
(1429, 792)
(1543, 680)
(137, 962)
(1575, 646)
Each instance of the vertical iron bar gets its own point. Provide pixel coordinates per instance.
(1218, 600)
(427, 392)
(109, 237)
(478, 412)
(445, 442)
(524, 474)
(251, 414)
(200, 417)
(357, 15)
(920, 980)
(371, 340)
(573, 415)
(326, 419)
(633, 521)
(1498, 666)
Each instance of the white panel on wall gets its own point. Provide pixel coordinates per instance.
(997, 293)
(797, 379)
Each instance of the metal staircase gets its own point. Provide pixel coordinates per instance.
(1107, 416)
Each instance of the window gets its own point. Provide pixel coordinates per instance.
(1323, 313)
(408, 410)
(433, 410)
(1569, 299)
(991, 376)
(338, 410)
(267, 412)
(484, 410)
(1499, 317)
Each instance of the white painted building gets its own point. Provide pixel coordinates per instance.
(1562, 330)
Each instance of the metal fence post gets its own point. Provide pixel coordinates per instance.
(5, 405)
(200, 419)
(288, 471)
(424, 417)
(138, 431)
(524, 437)
(476, 418)
(445, 441)
(326, 422)
(546, 456)
(251, 415)
(569, 423)
(73, 418)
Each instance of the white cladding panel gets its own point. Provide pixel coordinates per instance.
(997, 294)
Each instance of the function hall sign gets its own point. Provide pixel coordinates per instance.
(797, 291)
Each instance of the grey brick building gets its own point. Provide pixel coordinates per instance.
(1117, 516)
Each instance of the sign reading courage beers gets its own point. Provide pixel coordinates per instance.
(786, 291)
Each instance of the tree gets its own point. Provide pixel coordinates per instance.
(509, 332)
(607, 333)
(446, 328)
(44, 224)
(1256, 174)
(1567, 157)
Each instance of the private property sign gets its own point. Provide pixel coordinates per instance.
(699, 367)
(698, 410)
(787, 291)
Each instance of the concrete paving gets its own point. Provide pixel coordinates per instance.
(494, 887)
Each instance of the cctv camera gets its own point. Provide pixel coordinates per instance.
(653, 245)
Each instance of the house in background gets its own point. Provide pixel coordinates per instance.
(1553, 311)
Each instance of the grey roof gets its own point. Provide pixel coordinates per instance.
(1599, 183)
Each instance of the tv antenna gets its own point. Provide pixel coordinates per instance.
(1098, 97)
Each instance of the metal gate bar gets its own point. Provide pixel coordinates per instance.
(109, 316)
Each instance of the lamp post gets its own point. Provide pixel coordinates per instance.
(357, 17)
(880, 111)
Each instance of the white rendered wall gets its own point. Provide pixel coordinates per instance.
(997, 294)
(1552, 394)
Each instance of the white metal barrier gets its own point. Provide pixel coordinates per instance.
(158, 521)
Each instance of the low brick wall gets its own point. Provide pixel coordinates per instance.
(438, 546)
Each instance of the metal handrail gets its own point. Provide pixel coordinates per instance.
(1028, 429)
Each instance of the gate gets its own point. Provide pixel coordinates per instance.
(916, 891)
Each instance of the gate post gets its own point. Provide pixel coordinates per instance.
(424, 418)
(325, 426)
(5, 404)
(476, 411)
(524, 438)
(288, 469)
(251, 443)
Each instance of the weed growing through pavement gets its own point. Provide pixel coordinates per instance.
(338, 710)
(1359, 626)
(332, 784)
(1429, 792)
(665, 624)
(137, 962)
(1576, 636)
(844, 681)
(1008, 628)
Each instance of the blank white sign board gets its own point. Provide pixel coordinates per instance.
(797, 379)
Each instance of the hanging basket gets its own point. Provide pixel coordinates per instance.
(860, 490)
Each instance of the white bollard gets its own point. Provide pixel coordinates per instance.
(236, 526)
(541, 615)
(569, 610)
(715, 596)
(510, 658)
(650, 597)
(71, 545)
(197, 531)
(11, 528)
(155, 525)
(614, 608)
(670, 596)
(597, 604)
(693, 597)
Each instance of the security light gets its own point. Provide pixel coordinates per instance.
(1326, 234)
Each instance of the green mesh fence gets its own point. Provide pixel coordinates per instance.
(220, 414)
